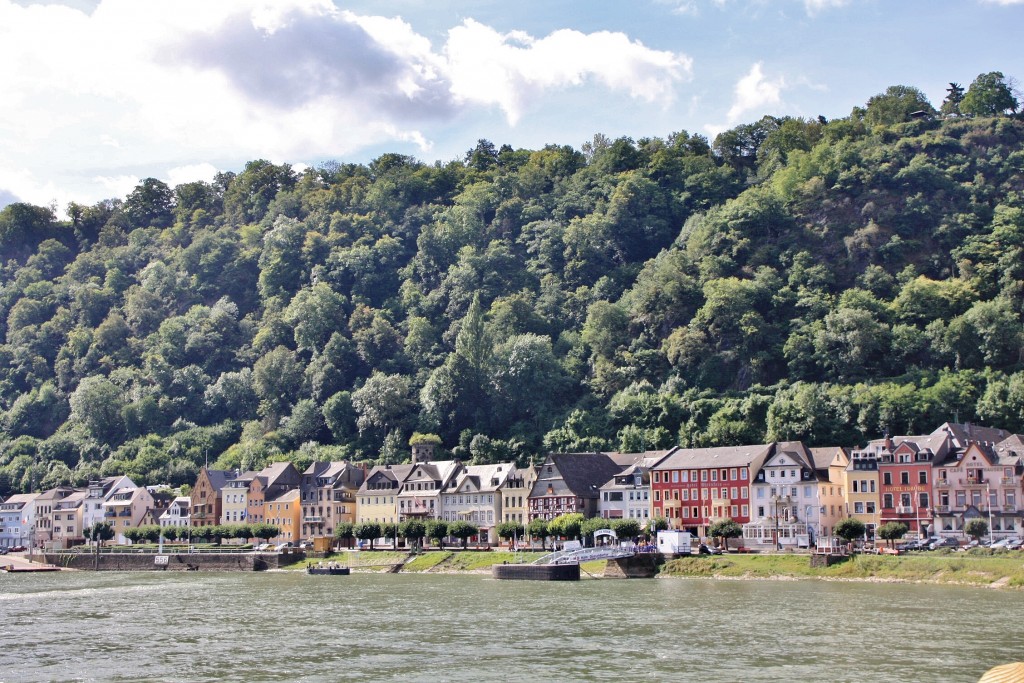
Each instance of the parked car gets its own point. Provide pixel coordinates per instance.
(944, 543)
(3, 550)
(1001, 544)
(281, 546)
(17, 548)
(263, 546)
(1015, 544)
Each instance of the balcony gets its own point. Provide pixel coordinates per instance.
(904, 510)
(1009, 508)
(942, 482)
(313, 520)
(976, 480)
(942, 509)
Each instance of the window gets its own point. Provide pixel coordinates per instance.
(886, 500)
(887, 479)
(657, 496)
(733, 511)
(732, 474)
(760, 511)
(760, 492)
(1011, 499)
(746, 511)
(905, 500)
(961, 499)
(869, 507)
(733, 493)
(703, 475)
(772, 474)
(855, 486)
(657, 477)
(686, 494)
(683, 476)
(858, 508)
(714, 475)
(923, 500)
(904, 478)
(675, 476)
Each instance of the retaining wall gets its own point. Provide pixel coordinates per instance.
(642, 566)
(536, 572)
(218, 562)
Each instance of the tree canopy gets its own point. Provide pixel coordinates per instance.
(823, 280)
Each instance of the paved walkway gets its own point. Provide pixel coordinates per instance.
(20, 561)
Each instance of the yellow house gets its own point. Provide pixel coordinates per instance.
(515, 495)
(830, 465)
(377, 498)
(284, 512)
(862, 488)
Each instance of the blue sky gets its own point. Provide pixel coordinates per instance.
(98, 94)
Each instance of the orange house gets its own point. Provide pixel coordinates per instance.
(284, 512)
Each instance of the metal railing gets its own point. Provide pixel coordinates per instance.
(584, 555)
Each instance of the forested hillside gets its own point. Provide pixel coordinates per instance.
(812, 279)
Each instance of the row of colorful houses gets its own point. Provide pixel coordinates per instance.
(782, 493)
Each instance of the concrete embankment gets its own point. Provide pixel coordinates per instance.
(219, 562)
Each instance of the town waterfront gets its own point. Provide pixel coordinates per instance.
(286, 626)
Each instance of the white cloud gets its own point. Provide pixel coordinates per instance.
(191, 173)
(815, 6)
(507, 70)
(755, 93)
(1004, 2)
(131, 88)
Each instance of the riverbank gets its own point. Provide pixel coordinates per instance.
(1005, 571)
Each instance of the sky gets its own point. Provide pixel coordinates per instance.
(96, 95)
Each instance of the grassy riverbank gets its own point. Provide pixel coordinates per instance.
(1000, 570)
(953, 568)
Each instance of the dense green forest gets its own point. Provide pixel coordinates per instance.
(811, 279)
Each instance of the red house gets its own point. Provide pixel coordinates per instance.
(906, 482)
(695, 487)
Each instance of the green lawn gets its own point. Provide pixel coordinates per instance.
(956, 568)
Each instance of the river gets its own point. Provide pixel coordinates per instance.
(279, 626)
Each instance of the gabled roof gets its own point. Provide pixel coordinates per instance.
(396, 473)
(578, 474)
(824, 456)
(723, 456)
(71, 501)
(966, 433)
(280, 474)
(23, 498)
(286, 496)
(218, 478)
(483, 477)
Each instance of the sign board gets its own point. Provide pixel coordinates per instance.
(161, 560)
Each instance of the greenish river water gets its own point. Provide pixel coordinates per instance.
(277, 626)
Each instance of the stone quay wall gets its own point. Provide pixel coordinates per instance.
(217, 562)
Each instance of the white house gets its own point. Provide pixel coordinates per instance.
(99, 492)
(784, 498)
(474, 495)
(177, 513)
(17, 519)
(627, 495)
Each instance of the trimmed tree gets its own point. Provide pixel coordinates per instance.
(627, 528)
(264, 531)
(170, 532)
(509, 530)
(133, 534)
(726, 529)
(655, 525)
(367, 531)
(976, 528)
(437, 530)
(890, 532)
(568, 525)
(590, 526)
(343, 531)
(538, 528)
(413, 531)
(850, 529)
(462, 530)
